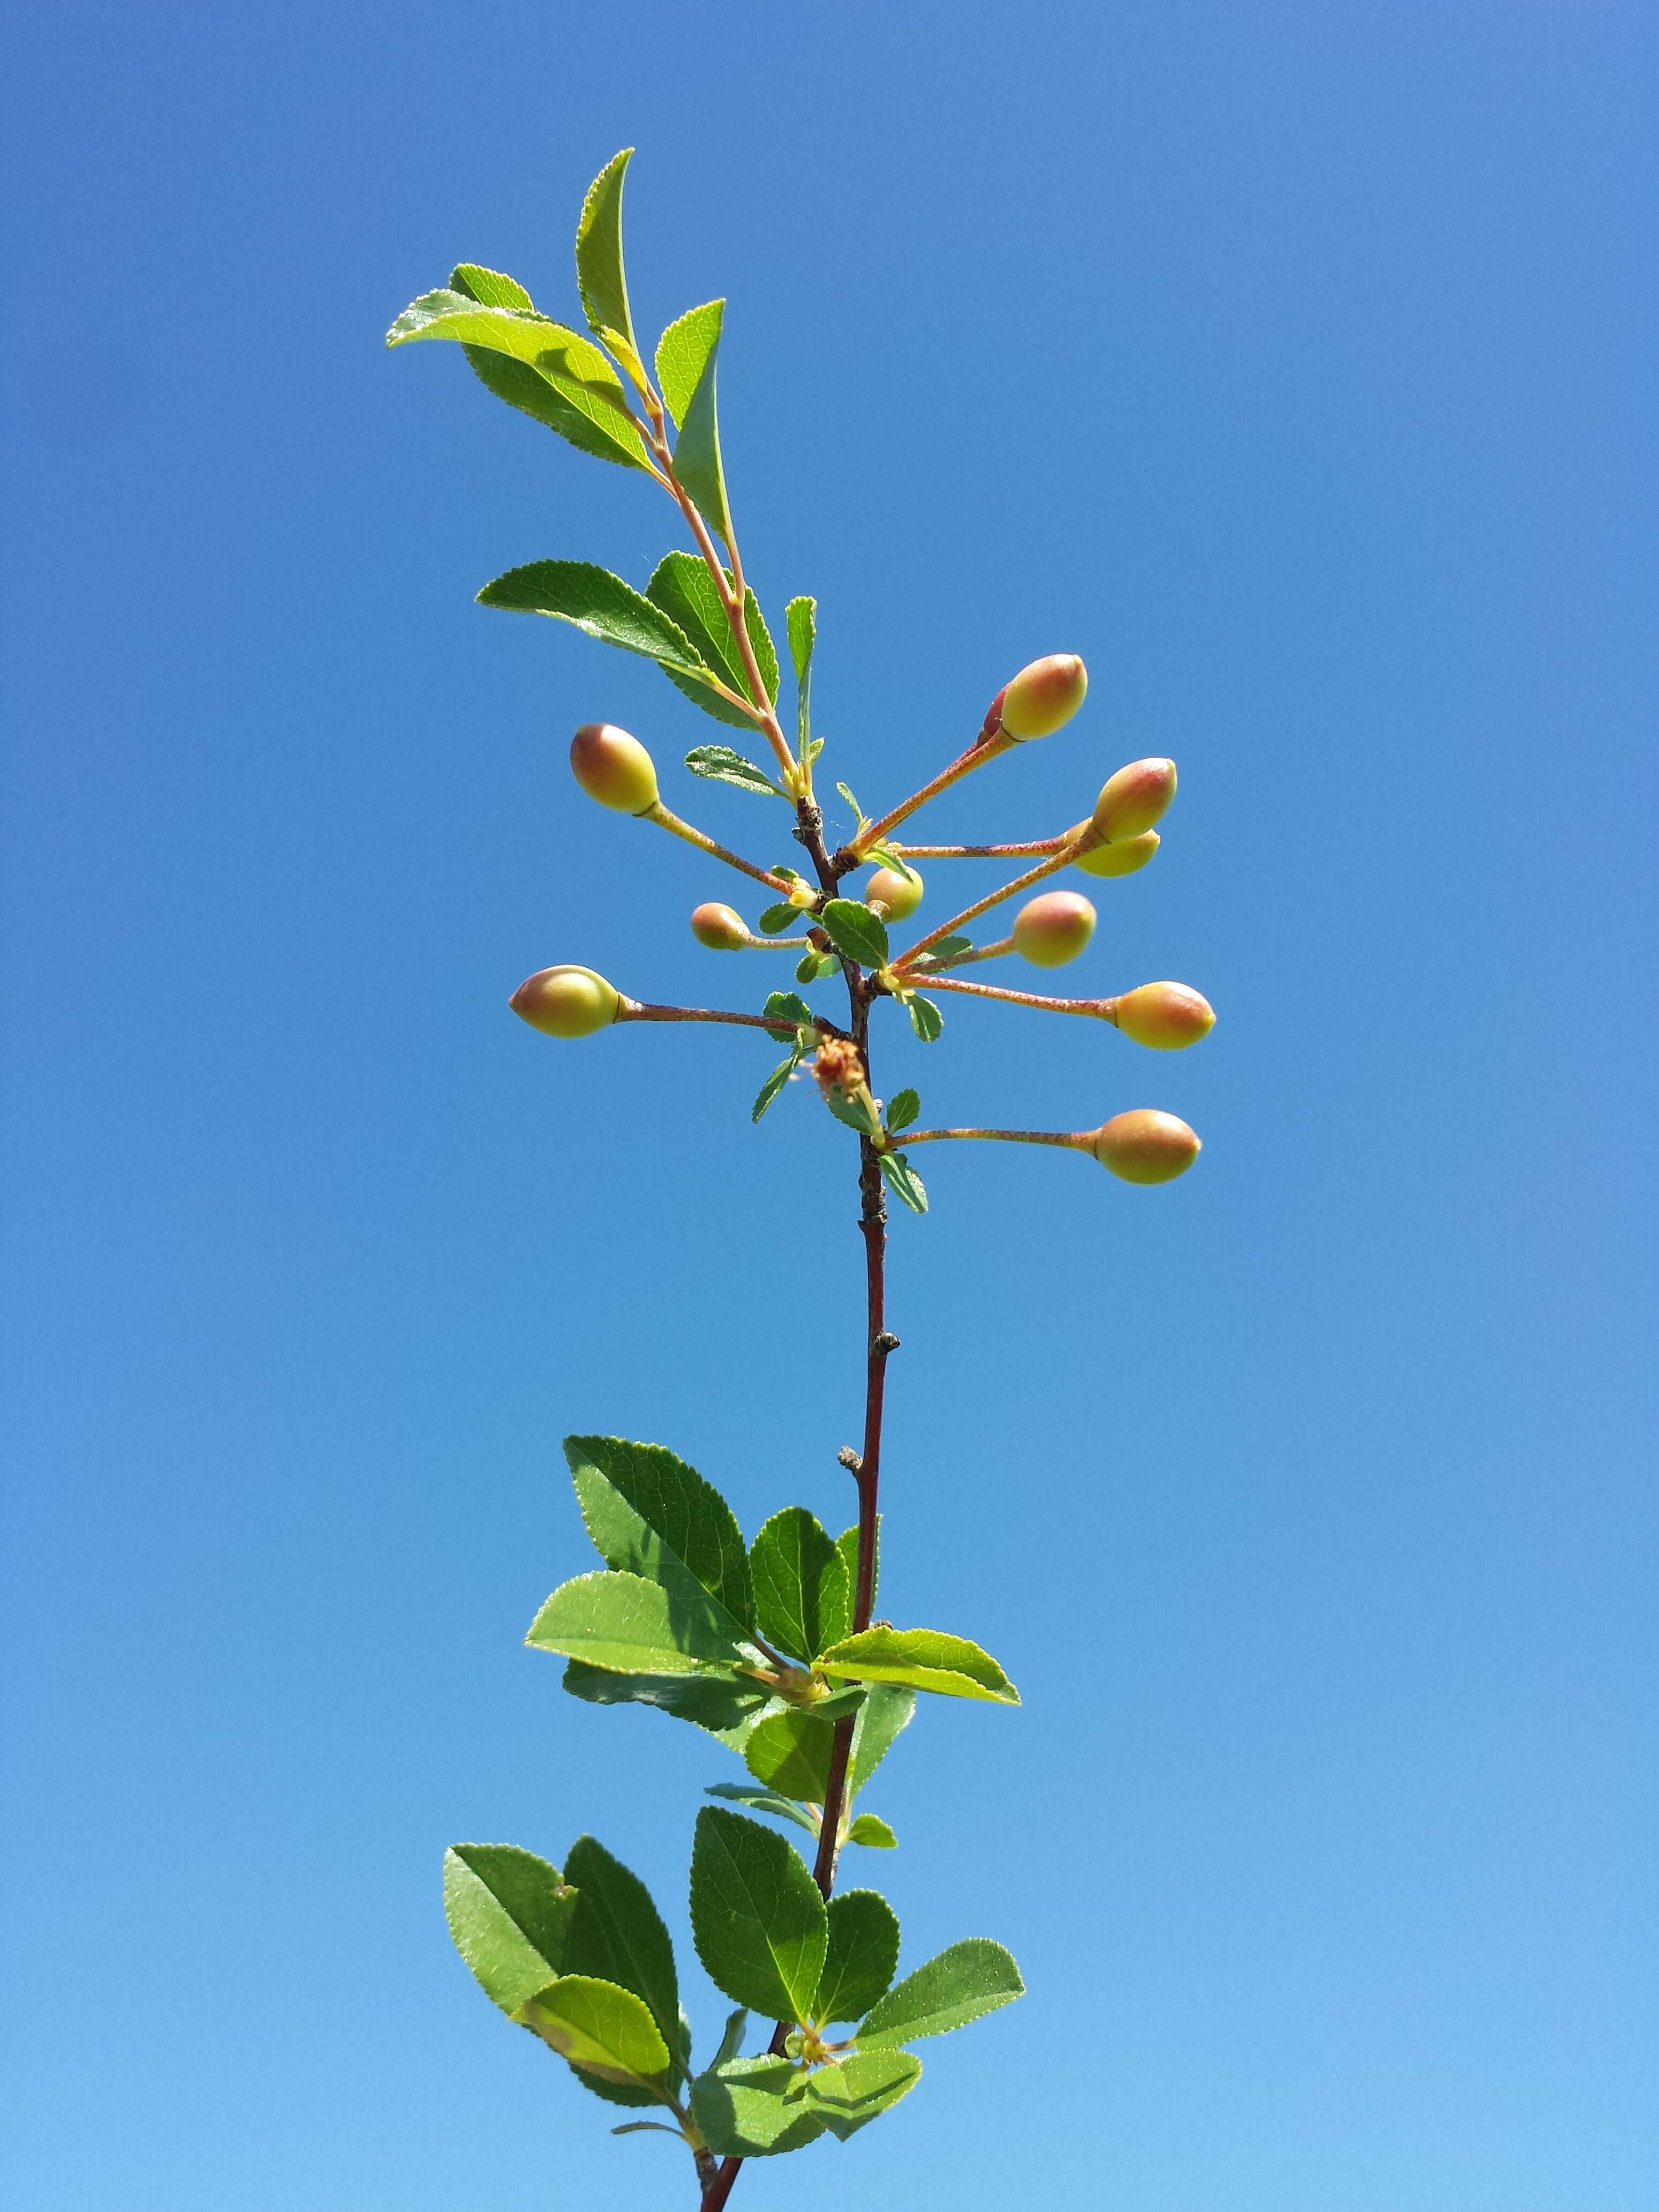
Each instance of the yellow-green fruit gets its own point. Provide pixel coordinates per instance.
(1119, 860)
(614, 768)
(1135, 799)
(565, 1002)
(1052, 929)
(1165, 1015)
(1043, 696)
(1146, 1145)
(900, 894)
(720, 927)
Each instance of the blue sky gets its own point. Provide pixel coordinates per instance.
(1293, 364)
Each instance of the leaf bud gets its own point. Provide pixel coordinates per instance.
(1165, 1015)
(900, 895)
(566, 1002)
(1052, 929)
(614, 768)
(1121, 859)
(1043, 696)
(721, 928)
(1135, 799)
(1146, 1145)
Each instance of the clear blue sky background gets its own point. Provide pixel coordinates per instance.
(1290, 361)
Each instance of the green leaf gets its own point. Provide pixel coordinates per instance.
(489, 287)
(698, 461)
(628, 1626)
(598, 604)
(849, 794)
(721, 1701)
(577, 373)
(903, 1108)
(802, 1602)
(757, 1915)
(889, 856)
(922, 1659)
(682, 587)
(926, 1018)
(961, 1985)
(722, 765)
(778, 920)
(885, 1712)
(786, 1007)
(683, 352)
(509, 1913)
(873, 1833)
(902, 1179)
(650, 1513)
(851, 2092)
(789, 1753)
(741, 2113)
(761, 1800)
(773, 1084)
(616, 1934)
(600, 277)
(855, 930)
(813, 967)
(862, 1958)
(601, 2029)
(854, 1112)
(942, 954)
(800, 620)
(648, 2128)
(731, 2043)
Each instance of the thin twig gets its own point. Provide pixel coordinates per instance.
(1097, 1008)
(1082, 841)
(665, 819)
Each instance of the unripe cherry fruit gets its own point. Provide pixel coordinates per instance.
(1146, 1145)
(1121, 859)
(720, 927)
(1052, 929)
(1165, 1015)
(1044, 695)
(566, 1002)
(900, 894)
(1135, 799)
(614, 768)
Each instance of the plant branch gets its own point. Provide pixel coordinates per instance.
(979, 852)
(1076, 1140)
(983, 748)
(1095, 1006)
(665, 819)
(1082, 841)
(631, 1010)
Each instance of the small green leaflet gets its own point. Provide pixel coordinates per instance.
(600, 277)
(756, 1916)
(847, 793)
(888, 856)
(784, 1007)
(778, 920)
(903, 1109)
(854, 1113)
(682, 587)
(853, 930)
(698, 451)
(922, 1659)
(873, 1832)
(801, 619)
(847, 1544)
(516, 381)
(926, 1018)
(509, 1913)
(902, 1179)
(947, 950)
(600, 2028)
(599, 603)
(759, 1799)
(813, 967)
(802, 1602)
(773, 1084)
(722, 765)
(628, 1626)
(850, 2092)
(649, 1512)
(731, 2041)
(489, 287)
(741, 2109)
(963, 1983)
(862, 1957)
(683, 354)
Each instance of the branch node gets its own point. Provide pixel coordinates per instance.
(849, 1459)
(885, 1342)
